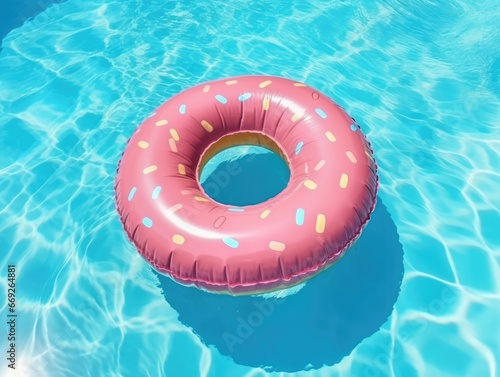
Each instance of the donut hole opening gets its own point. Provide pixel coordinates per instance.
(244, 168)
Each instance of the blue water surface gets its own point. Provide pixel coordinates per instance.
(418, 295)
(244, 175)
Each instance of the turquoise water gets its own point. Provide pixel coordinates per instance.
(419, 294)
(244, 175)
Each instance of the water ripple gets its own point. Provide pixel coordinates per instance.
(421, 78)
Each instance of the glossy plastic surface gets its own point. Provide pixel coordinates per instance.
(271, 245)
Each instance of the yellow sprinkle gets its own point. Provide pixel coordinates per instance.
(182, 169)
(172, 144)
(296, 117)
(320, 223)
(319, 165)
(206, 88)
(265, 103)
(264, 214)
(351, 157)
(276, 246)
(143, 144)
(162, 122)
(201, 199)
(330, 136)
(310, 184)
(298, 84)
(207, 126)
(174, 134)
(369, 155)
(150, 169)
(344, 179)
(178, 239)
(175, 208)
(231, 82)
(263, 84)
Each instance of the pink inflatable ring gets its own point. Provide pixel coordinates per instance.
(252, 249)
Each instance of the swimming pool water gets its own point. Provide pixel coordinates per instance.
(244, 175)
(13, 13)
(419, 294)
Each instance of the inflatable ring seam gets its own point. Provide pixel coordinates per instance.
(367, 206)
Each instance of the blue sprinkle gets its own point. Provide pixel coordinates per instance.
(299, 146)
(299, 216)
(132, 193)
(182, 109)
(233, 209)
(321, 113)
(221, 99)
(354, 127)
(244, 96)
(156, 192)
(147, 222)
(231, 242)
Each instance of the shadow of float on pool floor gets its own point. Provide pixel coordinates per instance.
(317, 326)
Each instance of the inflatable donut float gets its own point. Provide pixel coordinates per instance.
(188, 236)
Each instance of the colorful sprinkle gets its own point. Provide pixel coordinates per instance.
(174, 134)
(244, 96)
(156, 192)
(354, 127)
(231, 242)
(319, 165)
(147, 222)
(221, 99)
(344, 179)
(310, 184)
(236, 209)
(150, 169)
(220, 220)
(182, 109)
(330, 136)
(162, 122)
(263, 84)
(321, 113)
(276, 246)
(231, 82)
(173, 146)
(201, 199)
(265, 103)
(175, 208)
(265, 213)
(182, 169)
(299, 216)
(320, 223)
(298, 84)
(299, 146)
(315, 96)
(296, 117)
(206, 88)
(132, 193)
(186, 192)
(178, 239)
(143, 144)
(351, 157)
(207, 126)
